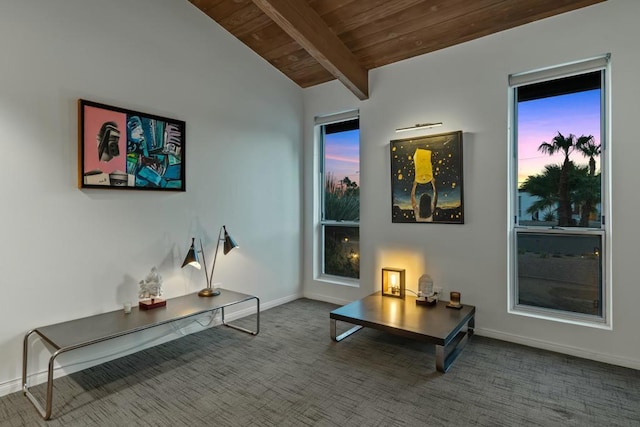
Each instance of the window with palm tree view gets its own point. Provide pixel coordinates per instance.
(340, 199)
(557, 254)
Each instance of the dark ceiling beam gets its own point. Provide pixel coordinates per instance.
(308, 29)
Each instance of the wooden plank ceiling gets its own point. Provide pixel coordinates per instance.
(314, 41)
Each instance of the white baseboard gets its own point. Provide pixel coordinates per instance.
(122, 350)
(9, 387)
(560, 348)
(279, 301)
(325, 298)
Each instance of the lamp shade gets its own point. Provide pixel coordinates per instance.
(229, 243)
(192, 256)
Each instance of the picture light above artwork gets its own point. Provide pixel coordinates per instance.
(419, 126)
(125, 149)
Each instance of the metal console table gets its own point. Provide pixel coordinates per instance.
(78, 333)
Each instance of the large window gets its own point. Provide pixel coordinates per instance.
(558, 235)
(338, 234)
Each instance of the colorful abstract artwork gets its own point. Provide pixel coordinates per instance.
(126, 149)
(426, 179)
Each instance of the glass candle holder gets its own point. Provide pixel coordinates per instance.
(454, 298)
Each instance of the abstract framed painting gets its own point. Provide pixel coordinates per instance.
(125, 149)
(427, 180)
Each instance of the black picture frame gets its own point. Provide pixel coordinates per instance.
(123, 149)
(427, 180)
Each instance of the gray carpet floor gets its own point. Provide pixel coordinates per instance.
(292, 374)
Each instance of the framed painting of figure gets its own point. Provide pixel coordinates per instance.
(427, 180)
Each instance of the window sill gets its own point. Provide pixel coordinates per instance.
(337, 280)
(587, 321)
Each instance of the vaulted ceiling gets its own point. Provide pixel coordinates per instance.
(314, 41)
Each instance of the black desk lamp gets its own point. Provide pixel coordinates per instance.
(192, 259)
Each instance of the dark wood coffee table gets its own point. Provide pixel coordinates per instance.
(449, 329)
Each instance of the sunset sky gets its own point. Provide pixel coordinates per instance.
(342, 155)
(540, 121)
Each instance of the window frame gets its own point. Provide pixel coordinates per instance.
(319, 201)
(603, 321)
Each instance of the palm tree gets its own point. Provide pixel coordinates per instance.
(588, 148)
(566, 145)
(543, 186)
(346, 181)
(586, 194)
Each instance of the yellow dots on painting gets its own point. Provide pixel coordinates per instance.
(393, 148)
(453, 185)
(440, 161)
(400, 177)
(449, 155)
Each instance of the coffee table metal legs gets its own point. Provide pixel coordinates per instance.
(332, 328)
(447, 354)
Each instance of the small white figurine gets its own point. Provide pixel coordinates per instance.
(425, 289)
(151, 286)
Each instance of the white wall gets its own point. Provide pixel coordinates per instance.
(465, 87)
(68, 253)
